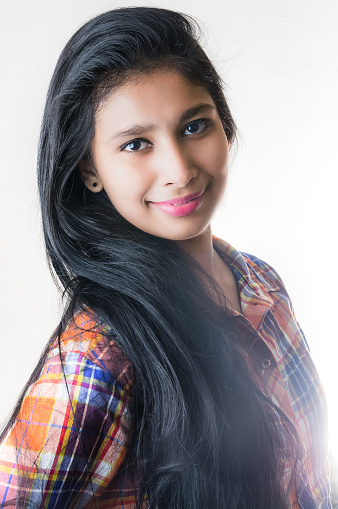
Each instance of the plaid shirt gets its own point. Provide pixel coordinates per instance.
(82, 412)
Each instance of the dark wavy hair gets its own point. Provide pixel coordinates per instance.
(203, 435)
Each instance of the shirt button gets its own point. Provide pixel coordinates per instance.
(265, 363)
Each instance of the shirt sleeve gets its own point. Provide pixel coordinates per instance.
(69, 438)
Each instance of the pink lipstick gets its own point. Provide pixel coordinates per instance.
(181, 206)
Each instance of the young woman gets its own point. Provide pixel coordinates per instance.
(178, 376)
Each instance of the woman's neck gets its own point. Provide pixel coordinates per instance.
(201, 248)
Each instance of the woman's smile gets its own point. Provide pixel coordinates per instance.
(181, 206)
(160, 153)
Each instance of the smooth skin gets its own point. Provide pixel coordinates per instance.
(157, 138)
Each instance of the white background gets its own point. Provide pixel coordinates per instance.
(279, 60)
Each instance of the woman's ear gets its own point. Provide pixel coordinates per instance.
(90, 178)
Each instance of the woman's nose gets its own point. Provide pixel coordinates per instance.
(177, 165)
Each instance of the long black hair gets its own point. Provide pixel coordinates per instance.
(203, 435)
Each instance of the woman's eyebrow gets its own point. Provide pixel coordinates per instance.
(191, 112)
(137, 130)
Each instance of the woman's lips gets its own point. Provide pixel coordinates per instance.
(181, 206)
(181, 201)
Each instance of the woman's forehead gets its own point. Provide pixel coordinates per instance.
(151, 98)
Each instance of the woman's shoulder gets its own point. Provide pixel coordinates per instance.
(86, 336)
(249, 266)
(264, 271)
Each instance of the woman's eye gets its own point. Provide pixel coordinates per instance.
(196, 127)
(135, 145)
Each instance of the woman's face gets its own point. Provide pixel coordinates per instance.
(159, 139)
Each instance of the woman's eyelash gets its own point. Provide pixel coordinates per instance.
(138, 141)
(206, 123)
